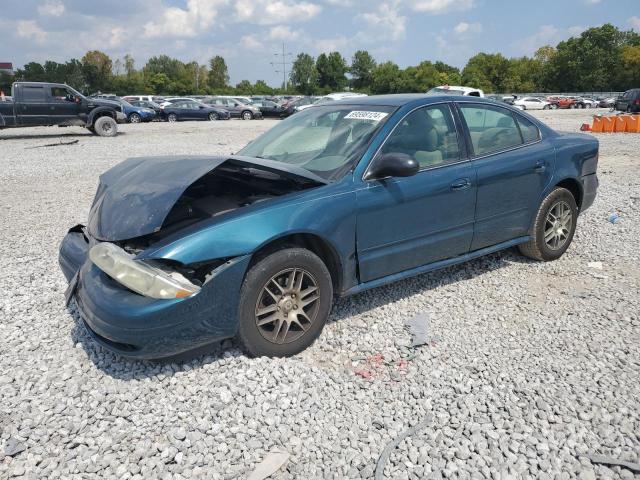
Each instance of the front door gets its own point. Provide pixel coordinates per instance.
(64, 105)
(403, 223)
(513, 166)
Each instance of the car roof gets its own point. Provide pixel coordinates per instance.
(398, 100)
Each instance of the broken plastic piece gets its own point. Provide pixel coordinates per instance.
(418, 327)
(273, 462)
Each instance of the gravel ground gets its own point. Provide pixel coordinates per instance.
(529, 368)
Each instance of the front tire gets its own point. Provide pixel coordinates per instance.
(285, 302)
(105, 127)
(213, 116)
(247, 115)
(553, 227)
(135, 118)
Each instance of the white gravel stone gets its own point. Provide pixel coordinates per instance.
(530, 365)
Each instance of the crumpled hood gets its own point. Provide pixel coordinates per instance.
(135, 196)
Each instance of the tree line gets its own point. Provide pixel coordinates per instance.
(599, 59)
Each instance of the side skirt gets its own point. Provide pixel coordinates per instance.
(433, 266)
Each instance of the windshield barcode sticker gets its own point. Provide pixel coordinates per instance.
(362, 115)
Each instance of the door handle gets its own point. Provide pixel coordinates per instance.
(540, 167)
(461, 184)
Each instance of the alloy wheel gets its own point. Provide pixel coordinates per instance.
(287, 305)
(134, 118)
(213, 116)
(172, 117)
(558, 225)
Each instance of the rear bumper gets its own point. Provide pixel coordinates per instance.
(589, 190)
(139, 327)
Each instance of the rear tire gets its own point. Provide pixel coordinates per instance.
(105, 127)
(285, 302)
(553, 227)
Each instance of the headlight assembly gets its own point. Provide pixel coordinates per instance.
(138, 275)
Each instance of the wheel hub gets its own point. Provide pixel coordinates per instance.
(287, 306)
(558, 225)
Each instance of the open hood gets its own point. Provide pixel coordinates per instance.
(135, 197)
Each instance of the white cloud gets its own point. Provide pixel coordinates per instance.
(177, 22)
(635, 23)
(283, 32)
(326, 45)
(440, 6)
(383, 23)
(51, 8)
(31, 30)
(467, 28)
(269, 12)
(576, 30)
(250, 42)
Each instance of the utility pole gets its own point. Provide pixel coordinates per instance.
(281, 64)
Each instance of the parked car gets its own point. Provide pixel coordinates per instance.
(332, 97)
(456, 90)
(234, 245)
(45, 104)
(532, 103)
(296, 105)
(608, 102)
(172, 100)
(270, 109)
(147, 104)
(192, 110)
(561, 102)
(589, 102)
(147, 98)
(134, 113)
(629, 101)
(236, 108)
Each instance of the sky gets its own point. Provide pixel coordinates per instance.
(248, 33)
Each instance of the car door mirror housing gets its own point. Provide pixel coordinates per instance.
(392, 165)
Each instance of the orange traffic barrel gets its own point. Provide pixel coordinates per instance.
(608, 124)
(633, 123)
(598, 125)
(620, 125)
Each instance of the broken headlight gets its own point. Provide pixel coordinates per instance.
(139, 276)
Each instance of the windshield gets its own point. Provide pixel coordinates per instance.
(325, 140)
(444, 91)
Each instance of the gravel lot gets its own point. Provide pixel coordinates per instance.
(530, 367)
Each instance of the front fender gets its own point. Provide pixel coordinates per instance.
(331, 218)
(96, 111)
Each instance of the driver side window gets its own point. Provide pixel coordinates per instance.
(428, 135)
(61, 94)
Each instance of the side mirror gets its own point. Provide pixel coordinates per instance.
(392, 165)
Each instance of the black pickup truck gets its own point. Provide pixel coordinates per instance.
(42, 104)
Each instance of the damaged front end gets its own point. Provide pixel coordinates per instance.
(145, 305)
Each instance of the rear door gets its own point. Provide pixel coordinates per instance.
(513, 164)
(33, 108)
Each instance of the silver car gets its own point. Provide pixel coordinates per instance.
(235, 107)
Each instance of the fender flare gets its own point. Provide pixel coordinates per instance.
(96, 113)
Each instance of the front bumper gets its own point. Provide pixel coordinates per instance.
(136, 326)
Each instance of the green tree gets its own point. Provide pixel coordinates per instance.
(331, 71)
(487, 71)
(261, 88)
(244, 87)
(362, 65)
(218, 73)
(304, 75)
(385, 78)
(96, 69)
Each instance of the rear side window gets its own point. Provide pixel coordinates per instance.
(33, 95)
(530, 132)
(492, 129)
